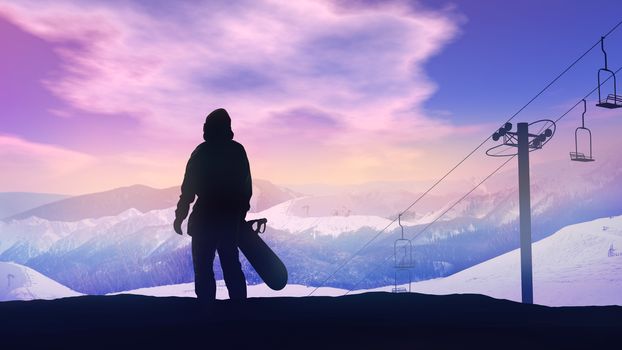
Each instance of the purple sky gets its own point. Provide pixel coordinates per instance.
(103, 94)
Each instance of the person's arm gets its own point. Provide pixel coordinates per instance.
(188, 192)
(247, 185)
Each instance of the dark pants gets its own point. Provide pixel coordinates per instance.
(217, 235)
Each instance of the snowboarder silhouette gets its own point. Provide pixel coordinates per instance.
(218, 174)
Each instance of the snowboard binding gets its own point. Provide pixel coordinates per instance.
(258, 226)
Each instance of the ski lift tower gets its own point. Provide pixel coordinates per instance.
(402, 250)
(524, 142)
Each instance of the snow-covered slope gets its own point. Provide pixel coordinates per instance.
(312, 235)
(254, 291)
(281, 217)
(574, 266)
(29, 237)
(19, 282)
(578, 265)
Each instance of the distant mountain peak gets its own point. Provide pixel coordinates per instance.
(142, 198)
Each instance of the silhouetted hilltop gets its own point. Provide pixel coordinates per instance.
(141, 197)
(12, 203)
(266, 195)
(372, 320)
(107, 203)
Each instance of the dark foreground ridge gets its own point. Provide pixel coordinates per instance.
(372, 320)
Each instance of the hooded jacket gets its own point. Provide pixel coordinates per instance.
(218, 173)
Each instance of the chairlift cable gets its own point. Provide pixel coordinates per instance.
(479, 184)
(448, 209)
(585, 97)
(466, 157)
(579, 101)
(514, 116)
(463, 197)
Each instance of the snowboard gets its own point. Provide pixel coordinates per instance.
(267, 264)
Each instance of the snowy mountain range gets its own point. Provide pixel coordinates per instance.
(573, 267)
(114, 202)
(579, 265)
(314, 234)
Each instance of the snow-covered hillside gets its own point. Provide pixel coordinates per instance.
(19, 282)
(578, 265)
(254, 291)
(24, 239)
(314, 234)
(135, 249)
(282, 218)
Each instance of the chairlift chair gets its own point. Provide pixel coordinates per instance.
(580, 156)
(406, 276)
(402, 250)
(612, 100)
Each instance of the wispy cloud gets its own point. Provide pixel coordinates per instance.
(344, 84)
(37, 165)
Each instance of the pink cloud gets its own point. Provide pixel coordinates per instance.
(37, 165)
(360, 70)
(30, 166)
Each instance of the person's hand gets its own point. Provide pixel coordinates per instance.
(177, 226)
